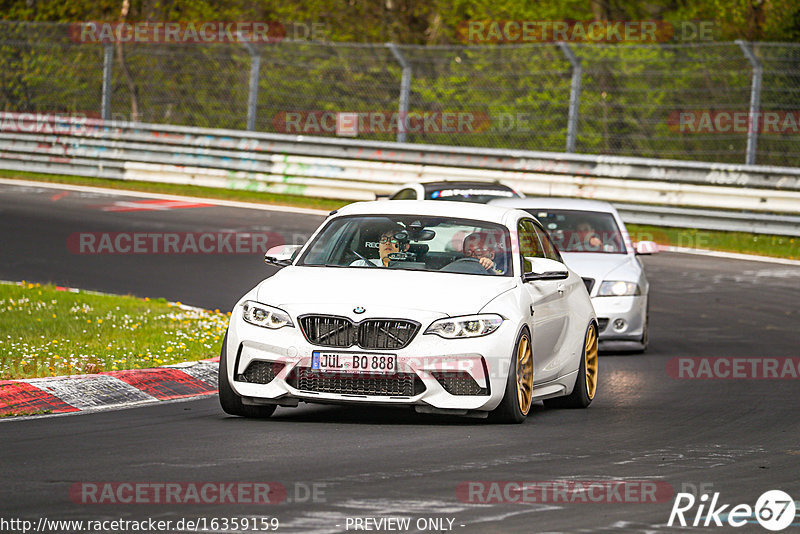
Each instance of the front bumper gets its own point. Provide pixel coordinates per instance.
(629, 313)
(429, 370)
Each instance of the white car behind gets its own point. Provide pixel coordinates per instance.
(594, 242)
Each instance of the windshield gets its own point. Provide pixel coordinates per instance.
(413, 242)
(471, 193)
(582, 231)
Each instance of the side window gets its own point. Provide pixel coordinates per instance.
(528, 242)
(550, 250)
(405, 194)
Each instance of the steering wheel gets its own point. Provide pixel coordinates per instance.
(464, 265)
(464, 260)
(365, 260)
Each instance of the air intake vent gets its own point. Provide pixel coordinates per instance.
(397, 385)
(260, 372)
(459, 383)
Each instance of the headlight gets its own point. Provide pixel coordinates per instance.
(266, 316)
(618, 289)
(466, 326)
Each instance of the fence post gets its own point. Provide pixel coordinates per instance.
(108, 63)
(255, 69)
(405, 89)
(574, 95)
(755, 102)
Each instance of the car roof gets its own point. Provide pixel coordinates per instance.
(457, 184)
(562, 203)
(461, 210)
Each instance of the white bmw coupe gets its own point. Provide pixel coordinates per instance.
(450, 308)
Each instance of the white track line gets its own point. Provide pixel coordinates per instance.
(731, 255)
(162, 196)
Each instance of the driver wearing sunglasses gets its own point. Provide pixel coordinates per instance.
(387, 244)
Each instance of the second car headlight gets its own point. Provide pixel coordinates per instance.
(618, 288)
(466, 326)
(266, 316)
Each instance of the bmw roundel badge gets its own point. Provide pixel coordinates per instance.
(359, 309)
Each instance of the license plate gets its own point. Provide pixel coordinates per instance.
(350, 362)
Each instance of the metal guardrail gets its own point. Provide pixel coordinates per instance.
(666, 192)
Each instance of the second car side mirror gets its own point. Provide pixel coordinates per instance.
(543, 269)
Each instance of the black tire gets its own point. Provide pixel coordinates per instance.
(515, 406)
(584, 391)
(231, 402)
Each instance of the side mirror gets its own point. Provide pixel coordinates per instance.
(646, 247)
(543, 269)
(282, 255)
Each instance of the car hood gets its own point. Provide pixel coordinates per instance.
(601, 266)
(327, 289)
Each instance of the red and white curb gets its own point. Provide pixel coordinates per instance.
(114, 389)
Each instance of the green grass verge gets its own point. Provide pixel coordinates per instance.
(741, 242)
(185, 190)
(51, 332)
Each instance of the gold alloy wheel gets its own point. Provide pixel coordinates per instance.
(590, 361)
(524, 375)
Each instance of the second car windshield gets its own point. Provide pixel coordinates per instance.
(425, 243)
(582, 231)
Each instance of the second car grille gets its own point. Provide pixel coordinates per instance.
(335, 331)
(398, 385)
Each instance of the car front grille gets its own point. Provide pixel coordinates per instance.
(589, 283)
(341, 332)
(260, 372)
(396, 385)
(459, 383)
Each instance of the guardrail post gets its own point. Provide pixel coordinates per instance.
(574, 95)
(405, 89)
(755, 102)
(255, 69)
(108, 63)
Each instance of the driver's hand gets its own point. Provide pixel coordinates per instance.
(486, 263)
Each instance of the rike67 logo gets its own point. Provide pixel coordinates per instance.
(774, 510)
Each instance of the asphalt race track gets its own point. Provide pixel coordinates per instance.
(738, 437)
